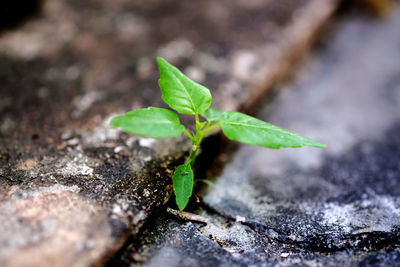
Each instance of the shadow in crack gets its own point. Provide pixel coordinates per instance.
(15, 12)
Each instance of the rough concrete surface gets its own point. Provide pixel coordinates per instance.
(338, 206)
(72, 189)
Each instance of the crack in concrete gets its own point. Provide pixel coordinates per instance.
(370, 241)
(325, 243)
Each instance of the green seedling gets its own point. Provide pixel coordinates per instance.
(188, 97)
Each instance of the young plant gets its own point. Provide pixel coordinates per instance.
(188, 97)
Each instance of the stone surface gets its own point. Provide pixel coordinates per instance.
(338, 206)
(71, 188)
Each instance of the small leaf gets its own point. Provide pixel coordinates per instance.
(246, 129)
(183, 185)
(180, 92)
(149, 122)
(212, 114)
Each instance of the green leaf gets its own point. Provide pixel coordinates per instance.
(246, 129)
(183, 185)
(212, 114)
(149, 122)
(180, 92)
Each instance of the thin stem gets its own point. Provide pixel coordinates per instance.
(192, 157)
(196, 140)
(201, 135)
(188, 134)
(206, 125)
(201, 129)
(197, 122)
(211, 127)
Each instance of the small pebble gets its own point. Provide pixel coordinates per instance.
(284, 255)
(146, 142)
(73, 142)
(240, 219)
(118, 149)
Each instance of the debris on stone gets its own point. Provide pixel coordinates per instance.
(187, 216)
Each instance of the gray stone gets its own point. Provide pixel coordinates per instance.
(338, 206)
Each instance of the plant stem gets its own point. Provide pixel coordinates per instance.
(198, 126)
(195, 147)
(209, 128)
(201, 129)
(196, 141)
(188, 134)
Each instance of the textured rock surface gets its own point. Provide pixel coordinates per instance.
(339, 206)
(71, 188)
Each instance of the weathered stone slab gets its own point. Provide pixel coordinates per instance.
(71, 188)
(339, 206)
